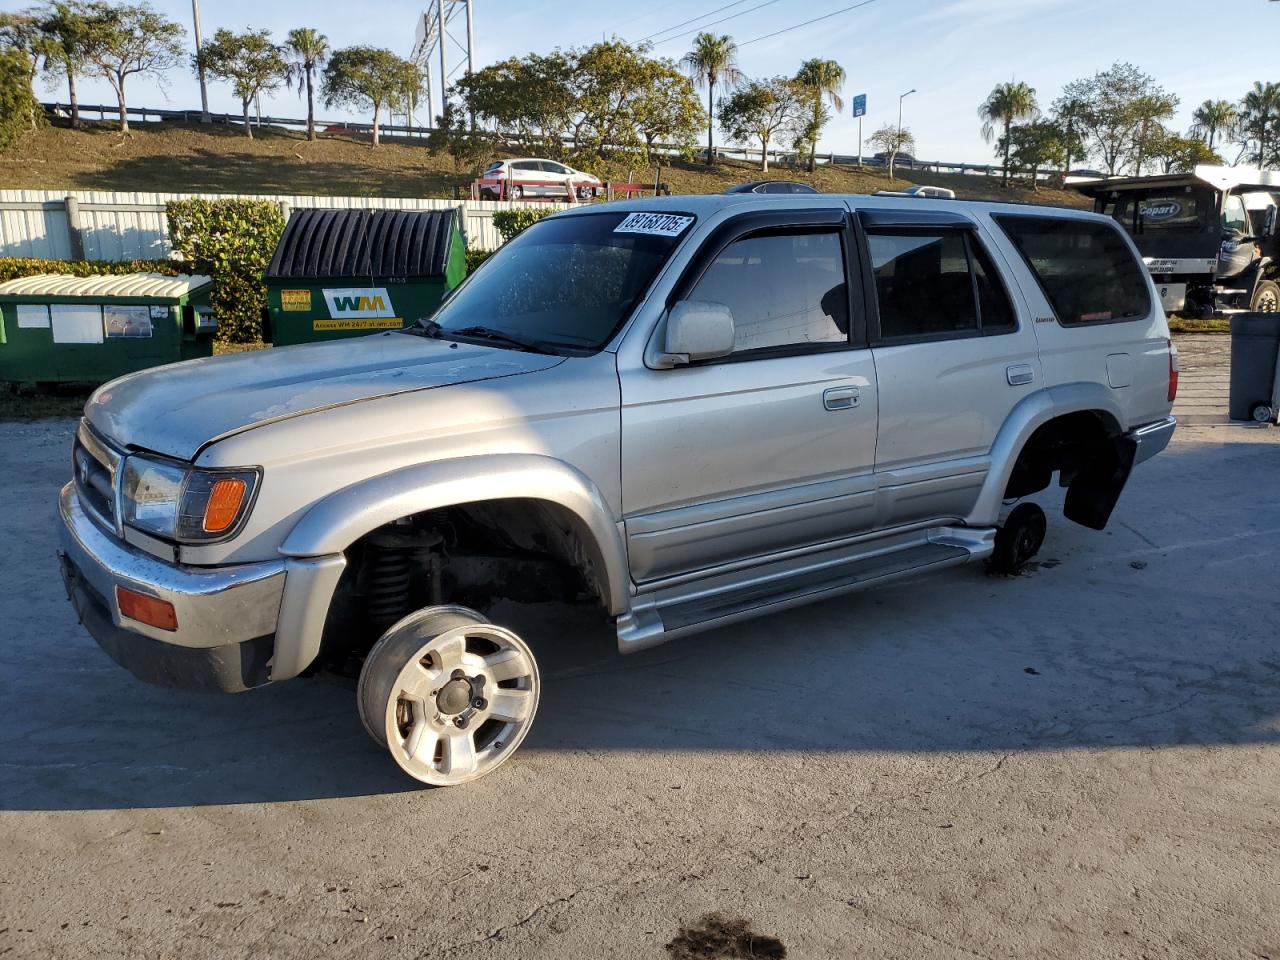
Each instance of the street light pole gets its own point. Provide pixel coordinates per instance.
(900, 99)
(204, 90)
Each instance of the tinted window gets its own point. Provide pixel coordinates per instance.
(526, 165)
(1175, 211)
(1085, 269)
(783, 289)
(994, 309)
(563, 282)
(922, 284)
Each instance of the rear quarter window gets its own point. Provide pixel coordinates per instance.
(1085, 268)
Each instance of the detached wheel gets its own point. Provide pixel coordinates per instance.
(1018, 540)
(1266, 297)
(449, 694)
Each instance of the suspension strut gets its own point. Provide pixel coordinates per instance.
(389, 566)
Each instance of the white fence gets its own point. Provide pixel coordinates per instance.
(100, 225)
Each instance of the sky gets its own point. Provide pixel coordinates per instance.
(950, 51)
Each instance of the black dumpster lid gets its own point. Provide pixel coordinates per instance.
(364, 243)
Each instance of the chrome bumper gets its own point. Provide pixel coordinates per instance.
(1153, 438)
(215, 606)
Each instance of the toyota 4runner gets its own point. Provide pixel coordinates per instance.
(687, 411)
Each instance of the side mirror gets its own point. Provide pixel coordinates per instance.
(697, 330)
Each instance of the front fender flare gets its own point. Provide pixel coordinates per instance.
(341, 518)
(1032, 412)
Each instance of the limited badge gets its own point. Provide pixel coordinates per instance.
(295, 301)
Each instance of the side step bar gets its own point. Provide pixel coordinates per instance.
(662, 614)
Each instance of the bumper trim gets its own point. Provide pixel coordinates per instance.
(215, 606)
(1153, 438)
(232, 668)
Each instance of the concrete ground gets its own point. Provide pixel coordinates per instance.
(1078, 762)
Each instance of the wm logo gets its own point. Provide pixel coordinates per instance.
(356, 302)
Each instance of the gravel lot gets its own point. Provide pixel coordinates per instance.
(1079, 762)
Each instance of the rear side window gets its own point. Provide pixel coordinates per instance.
(936, 283)
(1086, 270)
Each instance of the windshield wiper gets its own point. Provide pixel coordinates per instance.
(499, 336)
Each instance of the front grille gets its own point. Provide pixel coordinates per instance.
(95, 466)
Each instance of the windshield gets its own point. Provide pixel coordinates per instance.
(565, 283)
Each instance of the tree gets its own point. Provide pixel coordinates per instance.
(605, 81)
(1118, 107)
(713, 59)
(306, 51)
(453, 135)
(125, 40)
(1031, 146)
(67, 28)
(1068, 113)
(667, 109)
(891, 140)
(249, 61)
(21, 34)
(18, 104)
(1006, 104)
(821, 81)
(1212, 118)
(761, 108)
(1259, 120)
(1178, 154)
(527, 101)
(364, 78)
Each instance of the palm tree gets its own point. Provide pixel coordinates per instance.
(307, 51)
(1007, 103)
(1259, 116)
(712, 60)
(1213, 117)
(822, 79)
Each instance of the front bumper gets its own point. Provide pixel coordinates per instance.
(227, 617)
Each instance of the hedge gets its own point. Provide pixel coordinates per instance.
(11, 268)
(232, 241)
(510, 222)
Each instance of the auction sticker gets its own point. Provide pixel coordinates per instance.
(655, 224)
(295, 300)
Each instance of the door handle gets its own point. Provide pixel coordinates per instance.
(840, 398)
(1019, 374)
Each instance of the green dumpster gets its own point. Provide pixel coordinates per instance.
(344, 273)
(58, 328)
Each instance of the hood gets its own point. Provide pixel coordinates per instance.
(177, 409)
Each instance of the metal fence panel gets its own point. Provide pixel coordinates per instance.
(125, 225)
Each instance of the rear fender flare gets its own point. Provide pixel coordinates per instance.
(1032, 412)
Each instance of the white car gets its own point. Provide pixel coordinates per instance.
(532, 177)
(937, 193)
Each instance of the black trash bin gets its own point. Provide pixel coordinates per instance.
(1255, 344)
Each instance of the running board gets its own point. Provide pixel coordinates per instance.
(664, 613)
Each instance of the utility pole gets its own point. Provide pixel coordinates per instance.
(900, 99)
(204, 90)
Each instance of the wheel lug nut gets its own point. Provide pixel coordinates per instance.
(479, 703)
(460, 722)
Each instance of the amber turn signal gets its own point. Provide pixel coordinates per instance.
(149, 610)
(224, 504)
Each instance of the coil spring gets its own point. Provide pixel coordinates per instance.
(387, 590)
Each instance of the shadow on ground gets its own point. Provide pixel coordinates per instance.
(1149, 635)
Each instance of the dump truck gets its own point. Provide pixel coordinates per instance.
(1208, 237)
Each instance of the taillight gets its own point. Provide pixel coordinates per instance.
(1173, 371)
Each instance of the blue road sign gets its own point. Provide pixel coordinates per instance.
(860, 105)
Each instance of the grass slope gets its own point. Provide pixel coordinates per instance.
(172, 157)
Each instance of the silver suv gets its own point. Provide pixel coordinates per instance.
(686, 411)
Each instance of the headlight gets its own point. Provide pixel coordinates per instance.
(185, 503)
